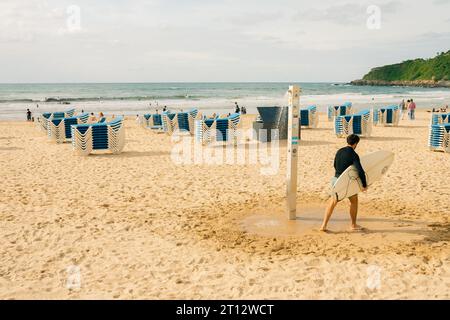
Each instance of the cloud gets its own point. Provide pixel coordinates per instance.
(232, 39)
(27, 21)
(441, 2)
(255, 18)
(434, 36)
(344, 14)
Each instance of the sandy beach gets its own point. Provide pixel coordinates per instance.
(139, 226)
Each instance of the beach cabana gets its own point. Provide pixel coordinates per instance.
(59, 129)
(47, 116)
(437, 118)
(152, 121)
(341, 110)
(309, 117)
(439, 138)
(205, 129)
(87, 138)
(181, 122)
(217, 129)
(359, 123)
(386, 116)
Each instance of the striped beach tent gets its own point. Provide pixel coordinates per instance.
(439, 137)
(437, 118)
(182, 122)
(59, 129)
(110, 136)
(47, 116)
(218, 129)
(152, 121)
(309, 117)
(359, 123)
(339, 110)
(386, 116)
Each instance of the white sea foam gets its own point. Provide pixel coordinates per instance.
(218, 98)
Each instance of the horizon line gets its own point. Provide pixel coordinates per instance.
(165, 82)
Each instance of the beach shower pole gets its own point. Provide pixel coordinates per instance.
(292, 148)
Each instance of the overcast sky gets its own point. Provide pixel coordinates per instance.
(207, 40)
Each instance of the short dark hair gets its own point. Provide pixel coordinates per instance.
(352, 139)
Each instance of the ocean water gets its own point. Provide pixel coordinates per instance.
(139, 98)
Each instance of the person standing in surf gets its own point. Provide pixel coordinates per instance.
(403, 109)
(407, 107)
(345, 157)
(412, 110)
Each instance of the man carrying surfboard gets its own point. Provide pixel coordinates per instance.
(346, 157)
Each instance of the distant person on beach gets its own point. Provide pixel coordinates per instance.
(165, 109)
(244, 110)
(92, 118)
(407, 107)
(238, 110)
(402, 107)
(345, 157)
(28, 115)
(412, 110)
(444, 109)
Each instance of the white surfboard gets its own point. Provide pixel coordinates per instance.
(375, 165)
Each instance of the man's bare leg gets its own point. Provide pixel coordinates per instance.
(328, 212)
(354, 212)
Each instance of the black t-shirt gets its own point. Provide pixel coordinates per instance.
(345, 157)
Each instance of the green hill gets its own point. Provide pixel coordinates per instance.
(423, 72)
(437, 69)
